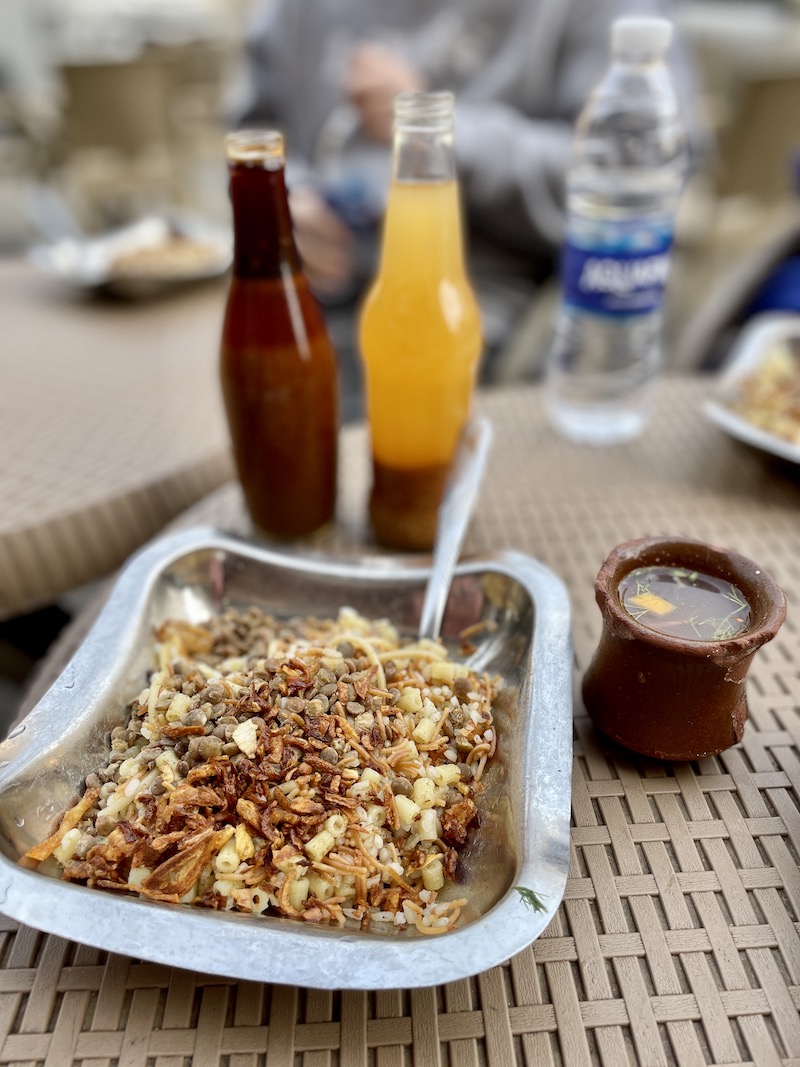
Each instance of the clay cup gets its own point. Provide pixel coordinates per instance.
(665, 696)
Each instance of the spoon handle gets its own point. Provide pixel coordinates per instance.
(454, 515)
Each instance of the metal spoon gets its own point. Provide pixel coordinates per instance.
(454, 514)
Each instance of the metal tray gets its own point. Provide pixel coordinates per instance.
(523, 838)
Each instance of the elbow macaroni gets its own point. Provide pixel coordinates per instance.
(319, 846)
(227, 859)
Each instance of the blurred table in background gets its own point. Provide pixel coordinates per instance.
(111, 423)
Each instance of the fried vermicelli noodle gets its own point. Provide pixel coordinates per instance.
(320, 769)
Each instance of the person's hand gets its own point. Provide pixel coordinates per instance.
(324, 242)
(374, 76)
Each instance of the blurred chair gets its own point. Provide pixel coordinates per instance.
(523, 355)
(29, 114)
(144, 134)
(754, 212)
(114, 146)
(757, 146)
(710, 331)
(124, 106)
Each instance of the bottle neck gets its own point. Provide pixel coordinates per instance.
(423, 138)
(422, 230)
(647, 67)
(640, 55)
(263, 239)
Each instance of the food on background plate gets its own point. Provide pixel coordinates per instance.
(320, 769)
(177, 256)
(769, 397)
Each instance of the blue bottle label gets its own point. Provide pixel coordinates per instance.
(616, 269)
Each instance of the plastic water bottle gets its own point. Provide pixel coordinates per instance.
(627, 171)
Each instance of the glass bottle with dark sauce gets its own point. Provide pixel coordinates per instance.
(278, 368)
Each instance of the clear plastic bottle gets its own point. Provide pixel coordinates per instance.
(627, 170)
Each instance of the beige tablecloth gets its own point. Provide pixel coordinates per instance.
(111, 423)
(677, 941)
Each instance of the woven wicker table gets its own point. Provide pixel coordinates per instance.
(677, 941)
(96, 458)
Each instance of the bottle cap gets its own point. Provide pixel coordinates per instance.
(640, 34)
(256, 147)
(424, 110)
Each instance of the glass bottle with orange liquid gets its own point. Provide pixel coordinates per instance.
(278, 369)
(420, 331)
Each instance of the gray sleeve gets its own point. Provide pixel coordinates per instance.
(512, 171)
(262, 95)
(264, 92)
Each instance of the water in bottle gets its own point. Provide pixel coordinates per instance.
(627, 170)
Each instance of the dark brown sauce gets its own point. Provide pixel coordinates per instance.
(278, 368)
(404, 505)
(685, 603)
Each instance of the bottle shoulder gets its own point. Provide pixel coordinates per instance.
(274, 312)
(620, 142)
(631, 103)
(401, 294)
(424, 326)
(634, 86)
(285, 289)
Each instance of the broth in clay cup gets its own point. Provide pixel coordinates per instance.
(681, 622)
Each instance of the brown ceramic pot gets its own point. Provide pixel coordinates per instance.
(664, 696)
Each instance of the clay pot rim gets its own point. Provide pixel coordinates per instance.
(747, 574)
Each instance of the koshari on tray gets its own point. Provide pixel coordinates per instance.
(516, 613)
(323, 769)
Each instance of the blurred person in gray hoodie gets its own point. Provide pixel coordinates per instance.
(326, 73)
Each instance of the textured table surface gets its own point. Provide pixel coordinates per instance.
(678, 939)
(98, 449)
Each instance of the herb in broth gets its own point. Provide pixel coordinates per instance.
(685, 603)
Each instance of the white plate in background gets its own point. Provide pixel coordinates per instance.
(758, 339)
(94, 262)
